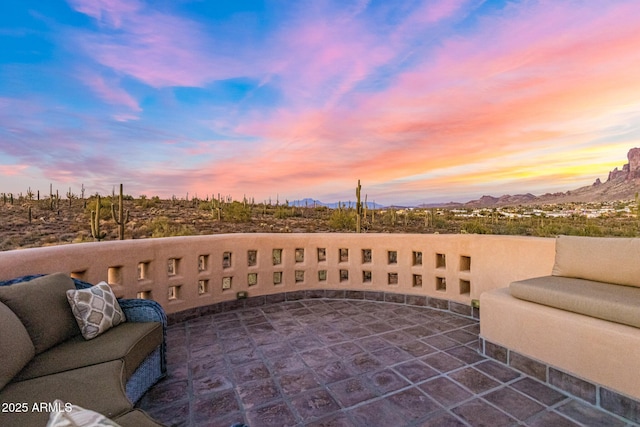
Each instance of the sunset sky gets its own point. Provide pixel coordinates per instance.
(423, 101)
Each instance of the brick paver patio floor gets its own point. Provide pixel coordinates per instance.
(324, 362)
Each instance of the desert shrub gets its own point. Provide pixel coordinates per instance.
(206, 206)
(341, 219)
(283, 212)
(145, 203)
(475, 227)
(591, 230)
(236, 212)
(105, 208)
(389, 217)
(164, 227)
(438, 222)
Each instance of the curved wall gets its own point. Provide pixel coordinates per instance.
(186, 272)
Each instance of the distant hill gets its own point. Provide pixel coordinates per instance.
(310, 203)
(621, 184)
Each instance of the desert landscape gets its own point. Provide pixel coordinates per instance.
(34, 223)
(609, 208)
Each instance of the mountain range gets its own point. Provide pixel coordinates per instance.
(621, 184)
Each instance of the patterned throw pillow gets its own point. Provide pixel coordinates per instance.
(96, 309)
(68, 415)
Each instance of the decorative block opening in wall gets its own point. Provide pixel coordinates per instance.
(277, 256)
(277, 277)
(143, 270)
(172, 266)
(226, 283)
(441, 284)
(417, 280)
(114, 275)
(80, 275)
(366, 276)
(203, 287)
(173, 293)
(465, 287)
(465, 263)
(299, 254)
(344, 255)
(366, 256)
(299, 275)
(417, 258)
(344, 275)
(322, 254)
(203, 262)
(392, 279)
(252, 279)
(441, 261)
(226, 260)
(322, 275)
(392, 257)
(144, 295)
(252, 258)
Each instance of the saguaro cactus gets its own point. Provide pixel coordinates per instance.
(95, 222)
(358, 208)
(123, 217)
(51, 199)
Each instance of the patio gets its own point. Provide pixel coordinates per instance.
(342, 362)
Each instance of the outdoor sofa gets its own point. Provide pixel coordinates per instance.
(48, 365)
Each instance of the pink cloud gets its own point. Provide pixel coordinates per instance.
(156, 48)
(443, 9)
(533, 81)
(12, 170)
(537, 77)
(110, 12)
(109, 91)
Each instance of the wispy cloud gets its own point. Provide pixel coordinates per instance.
(156, 48)
(12, 170)
(110, 91)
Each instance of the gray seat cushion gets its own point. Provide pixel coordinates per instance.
(130, 342)
(16, 348)
(616, 303)
(97, 387)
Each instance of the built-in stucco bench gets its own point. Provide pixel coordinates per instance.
(578, 328)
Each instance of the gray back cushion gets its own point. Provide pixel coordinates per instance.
(16, 348)
(41, 305)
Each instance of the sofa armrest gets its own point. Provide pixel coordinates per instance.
(20, 279)
(141, 310)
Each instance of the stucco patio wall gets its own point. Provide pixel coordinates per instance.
(186, 272)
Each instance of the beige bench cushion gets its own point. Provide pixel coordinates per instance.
(41, 304)
(16, 348)
(620, 304)
(97, 387)
(603, 259)
(131, 342)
